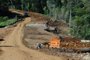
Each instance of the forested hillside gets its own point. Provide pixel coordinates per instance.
(76, 13)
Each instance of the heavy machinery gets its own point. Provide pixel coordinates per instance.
(52, 27)
(53, 43)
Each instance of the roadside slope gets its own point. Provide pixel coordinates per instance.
(15, 50)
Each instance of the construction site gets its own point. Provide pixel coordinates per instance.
(36, 38)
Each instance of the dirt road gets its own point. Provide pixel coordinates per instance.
(13, 48)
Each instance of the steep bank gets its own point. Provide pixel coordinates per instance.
(15, 50)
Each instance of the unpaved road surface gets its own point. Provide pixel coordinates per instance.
(14, 49)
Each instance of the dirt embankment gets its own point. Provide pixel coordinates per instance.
(35, 33)
(15, 50)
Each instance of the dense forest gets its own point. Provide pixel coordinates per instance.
(76, 13)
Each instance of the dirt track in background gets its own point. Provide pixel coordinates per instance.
(14, 49)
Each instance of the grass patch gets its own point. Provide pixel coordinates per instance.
(5, 21)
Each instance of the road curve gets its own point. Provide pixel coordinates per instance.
(14, 49)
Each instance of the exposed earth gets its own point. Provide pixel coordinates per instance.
(19, 41)
(14, 49)
(35, 33)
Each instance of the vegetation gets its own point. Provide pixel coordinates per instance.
(75, 12)
(5, 21)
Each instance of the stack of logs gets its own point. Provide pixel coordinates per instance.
(74, 43)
